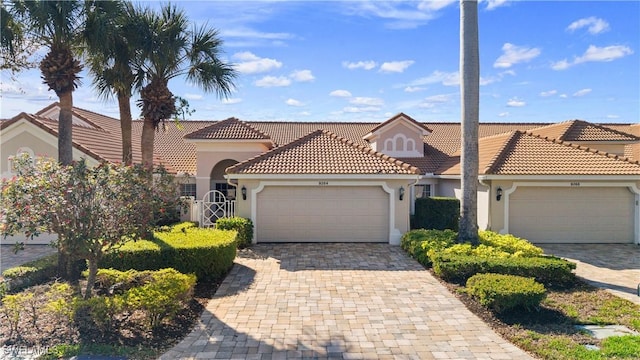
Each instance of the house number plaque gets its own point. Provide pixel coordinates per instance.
(575, 184)
(323, 183)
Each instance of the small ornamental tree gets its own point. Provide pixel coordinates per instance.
(92, 209)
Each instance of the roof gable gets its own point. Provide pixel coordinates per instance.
(579, 130)
(525, 153)
(419, 127)
(229, 129)
(322, 152)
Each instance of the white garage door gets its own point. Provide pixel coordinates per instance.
(322, 214)
(572, 214)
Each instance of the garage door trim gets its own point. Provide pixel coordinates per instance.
(631, 186)
(394, 233)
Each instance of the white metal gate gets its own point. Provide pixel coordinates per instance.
(215, 206)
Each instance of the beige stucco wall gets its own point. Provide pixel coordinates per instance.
(210, 154)
(391, 133)
(401, 207)
(497, 208)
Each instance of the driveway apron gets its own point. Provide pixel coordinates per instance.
(337, 301)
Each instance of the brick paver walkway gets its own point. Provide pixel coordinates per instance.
(615, 267)
(337, 301)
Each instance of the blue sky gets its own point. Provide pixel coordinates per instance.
(541, 61)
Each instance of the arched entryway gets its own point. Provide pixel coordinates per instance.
(218, 182)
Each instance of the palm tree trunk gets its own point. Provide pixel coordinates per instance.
(125, 127)
(148, 135)
(65, 125)
(470, 97)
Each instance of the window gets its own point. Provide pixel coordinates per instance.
(423, 191)
(188, 190)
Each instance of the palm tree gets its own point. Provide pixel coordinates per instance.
(470, 96)
(170, 49)
(110, 57)
(57, 24)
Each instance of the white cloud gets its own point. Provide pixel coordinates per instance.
(582, 92)
(564, 96)
(561, 65)
(250, 33)
(513, 54)
(368, 101)
(548, 93)
(340, 93)
(611, 116)
(294, 102)
(252, 64)
(515, 102)
(366, 65)
(273, 81)
(395, 66)
(492, 4)
(435, 5)
(411, 89)
(595, 54)
(302, 76)
(504, 114)
(398, 15)
(593, 24)
(445, 78)
(360, 109)
(193, 96)
(432, 101)
(231, 101)
(607, 53)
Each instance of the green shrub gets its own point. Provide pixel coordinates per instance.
(419, 242)
(502, 293)
(207, 253)
(243, 226)
(509, 244)
(103, 311)
(550, 271)
(158, 294)
(438, 213)
(163, 296)
(30, 273)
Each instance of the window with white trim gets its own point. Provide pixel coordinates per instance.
(188, 190)
(422, 191)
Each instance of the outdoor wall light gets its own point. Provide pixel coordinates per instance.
(244, 193)
(401, 193)
(498, 193)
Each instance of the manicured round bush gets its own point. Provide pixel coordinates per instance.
(502, 293)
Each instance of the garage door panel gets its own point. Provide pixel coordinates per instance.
(322, 214)
(572, 215)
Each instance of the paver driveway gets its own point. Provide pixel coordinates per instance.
(337, 301)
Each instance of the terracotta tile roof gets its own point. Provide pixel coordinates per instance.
(229, 129)
(322, 152)
(579, 130)
(396, 117)
(525, 153)
(100, 135)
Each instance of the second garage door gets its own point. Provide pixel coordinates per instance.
(322, 214)
(572, 214)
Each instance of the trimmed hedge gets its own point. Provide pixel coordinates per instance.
(243, 226)
(30, 273)
(439, 213)
(502, 293)
(207, 253)
(418, 243)
(550, 271)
